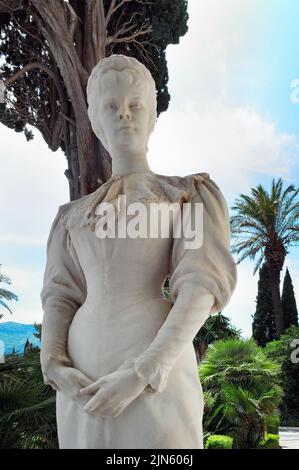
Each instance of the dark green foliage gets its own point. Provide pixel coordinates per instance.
(166, 289)
(241, 388)
(263, 326)
(27, 406)
(264, 225)
(219, 442)
(289, 306)
(169, 22)
(38, 327)
(216, 327)
(272, 424)
(29, 348)
(6, 294)
(35, 99)
(271, 441)
(281, 351)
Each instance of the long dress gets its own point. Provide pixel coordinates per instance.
(104, 307)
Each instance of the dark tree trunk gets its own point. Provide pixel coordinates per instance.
(276, 299)
(87, 168)
(275, 256)
(96, 174)
(200, 349)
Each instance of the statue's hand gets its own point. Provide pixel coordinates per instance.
(70, 381)
(112, 393)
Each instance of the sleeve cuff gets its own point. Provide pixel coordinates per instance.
(153, 373)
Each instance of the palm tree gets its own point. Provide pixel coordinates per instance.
(27, 405)
(216, 327)
(266, 224)
(6, 294)
(241, 389)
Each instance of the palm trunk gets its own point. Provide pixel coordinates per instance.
(276, 299)
(200, 350)
(275, 255)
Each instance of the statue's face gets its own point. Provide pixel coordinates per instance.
(124, 117)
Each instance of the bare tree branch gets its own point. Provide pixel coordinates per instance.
(144, 52)
(116, 39)
(33, 65)
(25, 30)
(110, 12)
(126, 29)
(68, 119)
(10, 5)
(45, 68)
(72, 18)
(113, 7)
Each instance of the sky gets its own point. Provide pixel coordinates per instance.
(230, 115)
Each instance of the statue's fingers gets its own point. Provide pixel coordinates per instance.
(94, 402)
(83, 382)
(90, 388)
(117, 411)
(82, 378)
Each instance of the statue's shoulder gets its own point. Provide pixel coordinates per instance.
(185, 182)
(74, 212)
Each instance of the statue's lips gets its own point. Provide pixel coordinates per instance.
(126, 128)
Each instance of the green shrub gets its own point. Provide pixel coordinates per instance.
(272, 424)
(219, 442)
(281, 351)
(241, 388)
(271, 441)
(27, 405)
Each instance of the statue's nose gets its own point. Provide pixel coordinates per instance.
(127, 115)
(124, 113)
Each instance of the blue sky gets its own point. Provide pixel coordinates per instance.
(230, 115)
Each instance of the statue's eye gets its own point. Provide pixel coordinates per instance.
(135, 104)
(113, 106)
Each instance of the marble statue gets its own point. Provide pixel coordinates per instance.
(118, 353)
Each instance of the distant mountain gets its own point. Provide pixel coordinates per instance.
(14, 335)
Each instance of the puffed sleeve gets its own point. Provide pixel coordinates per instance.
(211, 264)
(63, 292)
(203, 277)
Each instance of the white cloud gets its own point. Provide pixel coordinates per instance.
(33, 185)
(242, 304)
(14, 239)
(26, 284)
(231, 144)
(203, 129)
(21, 314)
(220, 42)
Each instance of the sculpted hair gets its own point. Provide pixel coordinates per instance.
(105, 73)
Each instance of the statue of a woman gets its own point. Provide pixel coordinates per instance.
(119, 354)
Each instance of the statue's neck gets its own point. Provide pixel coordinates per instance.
(124, 164)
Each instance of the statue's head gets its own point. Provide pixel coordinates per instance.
(122, 103)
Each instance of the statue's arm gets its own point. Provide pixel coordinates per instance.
(202, 280)
(63, 292)
(189, 312)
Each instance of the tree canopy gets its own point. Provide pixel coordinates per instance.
(49, 48)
